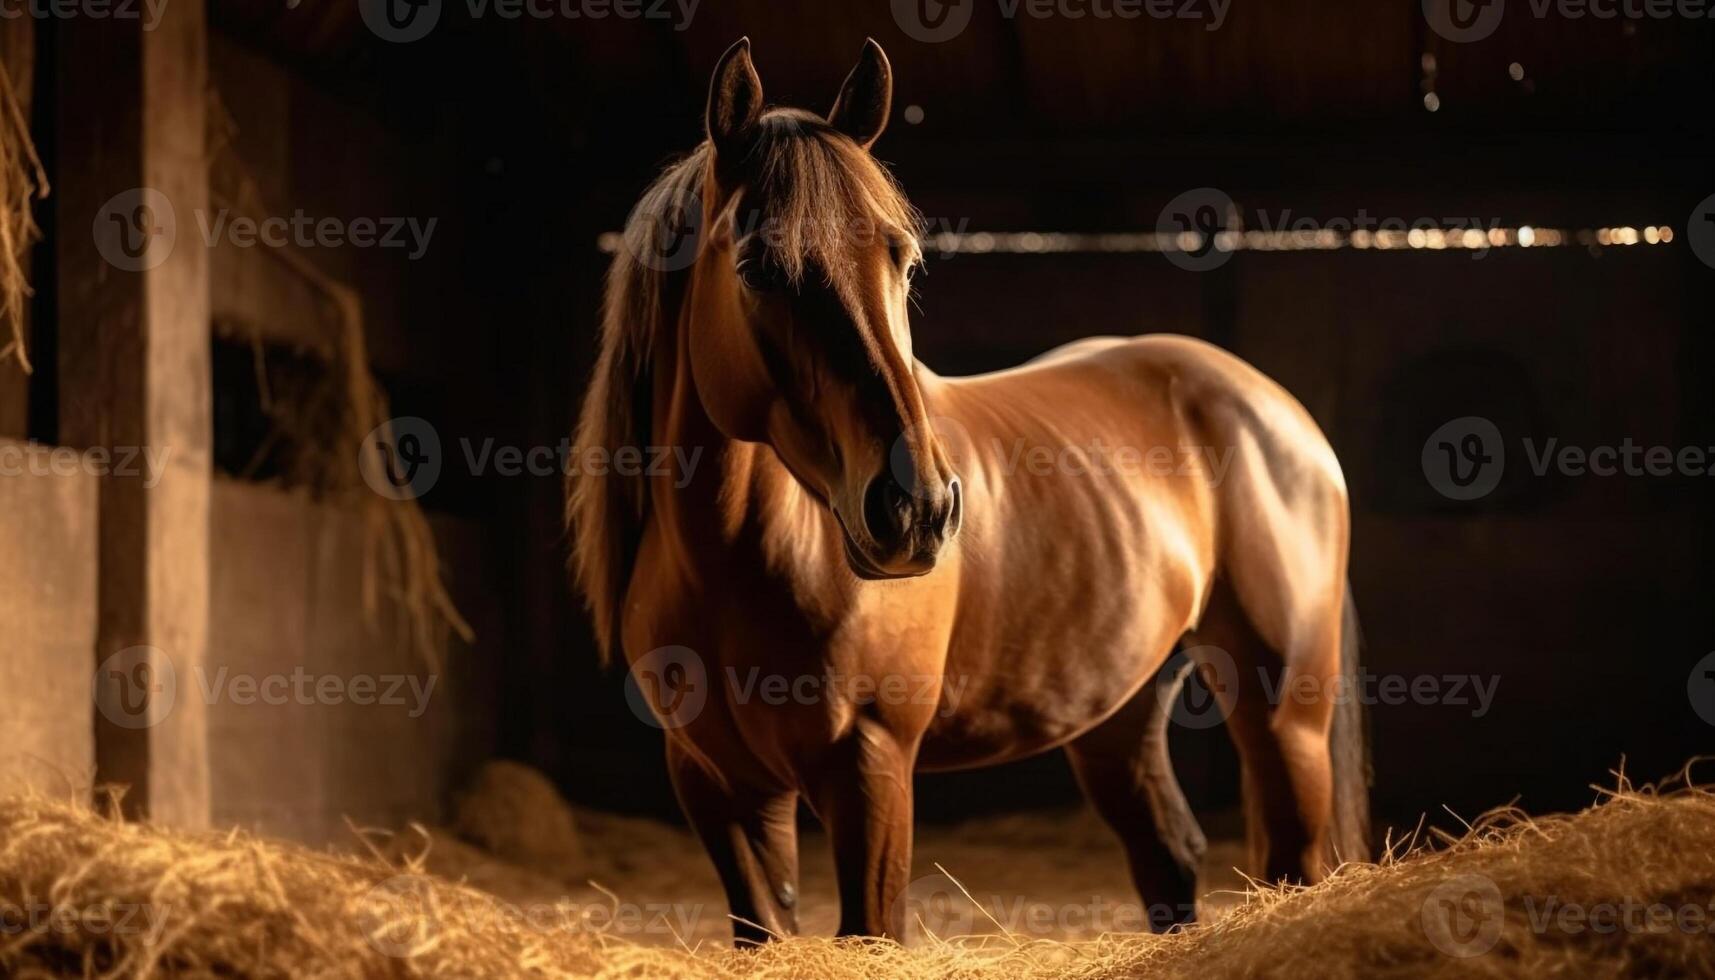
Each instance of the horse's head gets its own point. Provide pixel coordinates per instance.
(800, 336)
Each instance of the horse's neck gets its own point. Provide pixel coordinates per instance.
(737, 501)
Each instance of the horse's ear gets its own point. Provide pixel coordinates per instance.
(735, 102)
(866, 98)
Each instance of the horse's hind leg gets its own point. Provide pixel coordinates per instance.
(752, 838)
(1278, 717)
(1123, 766)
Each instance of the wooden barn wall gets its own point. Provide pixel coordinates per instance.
(47, 576)
(287, 604)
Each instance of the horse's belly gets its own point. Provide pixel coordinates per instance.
(1033, 685)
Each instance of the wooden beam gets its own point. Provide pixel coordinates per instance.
(134, 329)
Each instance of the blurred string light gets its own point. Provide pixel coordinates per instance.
(1319, 240)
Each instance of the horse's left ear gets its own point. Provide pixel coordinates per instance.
(866, 98)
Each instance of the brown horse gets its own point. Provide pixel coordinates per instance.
(936, 573)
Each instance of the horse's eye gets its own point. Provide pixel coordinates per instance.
(896, 252)
(758, 275)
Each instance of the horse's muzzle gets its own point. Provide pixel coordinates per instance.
(906, 527)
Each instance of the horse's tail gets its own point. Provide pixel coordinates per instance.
(1349, 744)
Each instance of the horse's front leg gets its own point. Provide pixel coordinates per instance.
(862, 792)
(752, 838)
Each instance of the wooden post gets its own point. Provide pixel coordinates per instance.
(134, 375)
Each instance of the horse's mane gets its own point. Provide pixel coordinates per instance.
(813, 188)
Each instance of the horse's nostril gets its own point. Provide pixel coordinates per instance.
(955, 507)
(886, 509)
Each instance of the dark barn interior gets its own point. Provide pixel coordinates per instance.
(1582, 600)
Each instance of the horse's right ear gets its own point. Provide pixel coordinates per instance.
(735, 103)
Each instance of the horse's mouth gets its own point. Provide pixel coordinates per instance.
(863, 567)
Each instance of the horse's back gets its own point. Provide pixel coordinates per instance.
(1271, 503)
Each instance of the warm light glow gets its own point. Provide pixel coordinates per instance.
(1255, 240)
(1432, 102)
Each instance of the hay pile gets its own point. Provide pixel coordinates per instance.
(22, 181)
(516, 814)
(84, 895)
